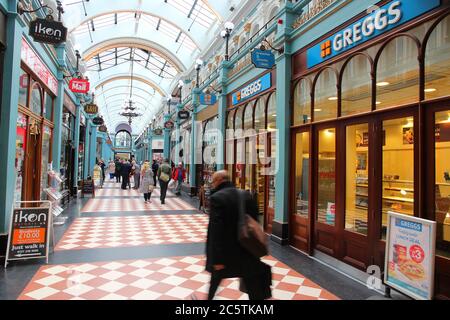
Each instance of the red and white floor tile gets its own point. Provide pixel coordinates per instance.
(108, 232)
(157, 279)
(120, 205)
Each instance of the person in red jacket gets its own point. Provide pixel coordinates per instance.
(179, 175)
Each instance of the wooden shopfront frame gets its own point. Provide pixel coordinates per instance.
(269, 213)
(306, 233)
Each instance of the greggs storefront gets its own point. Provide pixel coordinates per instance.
(371, 134)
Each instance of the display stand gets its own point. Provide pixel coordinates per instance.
(55, 197)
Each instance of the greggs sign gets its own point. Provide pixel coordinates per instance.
(383, 19)
(254, 88)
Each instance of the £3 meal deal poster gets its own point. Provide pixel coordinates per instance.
(410, 255)
(29, 233)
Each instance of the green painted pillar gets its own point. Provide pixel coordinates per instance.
(58, 108)
(222, 115)
(178, 135)
(10, 100)
(280, 230)
(93, 149)
(150, 146)
(166, 138)
(194, 133)
(76, 142)
(87, 148)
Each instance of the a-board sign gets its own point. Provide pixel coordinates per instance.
(410, 255)
(48, 31)
(87, 187)
(91, 108)
(29, 233)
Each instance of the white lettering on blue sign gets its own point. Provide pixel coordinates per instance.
(254, 88)
(408, 224)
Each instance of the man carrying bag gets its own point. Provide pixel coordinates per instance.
(226, 257)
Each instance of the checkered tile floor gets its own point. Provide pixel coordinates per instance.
(157, 279)
(124, 193)
(108, 232)
(120, 205)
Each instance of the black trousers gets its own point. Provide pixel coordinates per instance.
(163, 186)
(125, 181)
(147, 196)
(117, 174)
(154, 177)
(252, 284)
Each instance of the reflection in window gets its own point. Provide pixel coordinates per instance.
(356, 86)
(272, 127)
(250, 147)
(398, 73)
(437, 64)
(326, 197)
(302, 103)
(357, 181)
(326, 98)
(123, 139)
(302, 174)
(23, 88)
(48, 107)
(442, 184)
(210, 150)
(260, 114)
(46, 138)
(36, 100)
(240, 147)
(230, 143)
(398, 168)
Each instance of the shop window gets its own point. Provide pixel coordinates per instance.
(261, 149)
(356, 86)
(21, 145)
(398, 168)
(398, 73)
(272, 113)
(209, 151)
(356, 179)
(230, 142)
(48, 107)
(260, 114)
(23, 88)
(240, 147)
(250, 147)
(272, 128)
(326, 195)
(442, 183)
(325, 96)
(36, 99)
(302, 174)
(437, 64)
(302, 102)
(248, 117)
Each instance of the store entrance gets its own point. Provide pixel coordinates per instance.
(363, 168)
(32, 160)
(437, 195)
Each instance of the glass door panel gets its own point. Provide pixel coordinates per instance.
(357, 178)
(301, 174)
(397, 168)
(442, 183)
(326, 178)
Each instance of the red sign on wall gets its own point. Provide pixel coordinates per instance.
(79, 85)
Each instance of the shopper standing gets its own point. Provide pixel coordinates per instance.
(117, 168)
(146, 185)
(179, 175)
(164, 172)
(155, 167)
(137, 175)
(225, 257)
(111, 169)
(125, 170)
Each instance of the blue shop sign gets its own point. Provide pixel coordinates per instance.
(208, 99)
(254, 88)
(263, 59)
(376, 23)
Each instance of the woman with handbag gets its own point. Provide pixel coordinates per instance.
(146, 186)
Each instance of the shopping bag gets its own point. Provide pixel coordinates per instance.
(172, 184)
(151, 188)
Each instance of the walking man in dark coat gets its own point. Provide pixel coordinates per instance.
(125, 170)
(225, 257)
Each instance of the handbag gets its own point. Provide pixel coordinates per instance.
(151, 188)
(164, 177)
(250, 233)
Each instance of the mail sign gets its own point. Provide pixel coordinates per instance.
(79, 85)
(256, 87)
(383, 19)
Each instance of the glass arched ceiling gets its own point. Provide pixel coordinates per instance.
(144, 44)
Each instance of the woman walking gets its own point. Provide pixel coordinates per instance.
(146, 186)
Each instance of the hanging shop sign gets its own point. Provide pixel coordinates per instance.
(29, 234)
(32, 60)
(253, 89)
(376, 23)
(157, 132)
(183, 115)
(207, 99)
(79, 85)
(263, 59)
(98, 121)
(91, 108)
(48, 31)
(169, 124)
(103, 128)
(410, 255)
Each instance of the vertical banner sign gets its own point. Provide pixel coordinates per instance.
(29, 233)
(410, 255)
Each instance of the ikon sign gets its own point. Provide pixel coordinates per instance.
(79, 86)
(48, 31)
